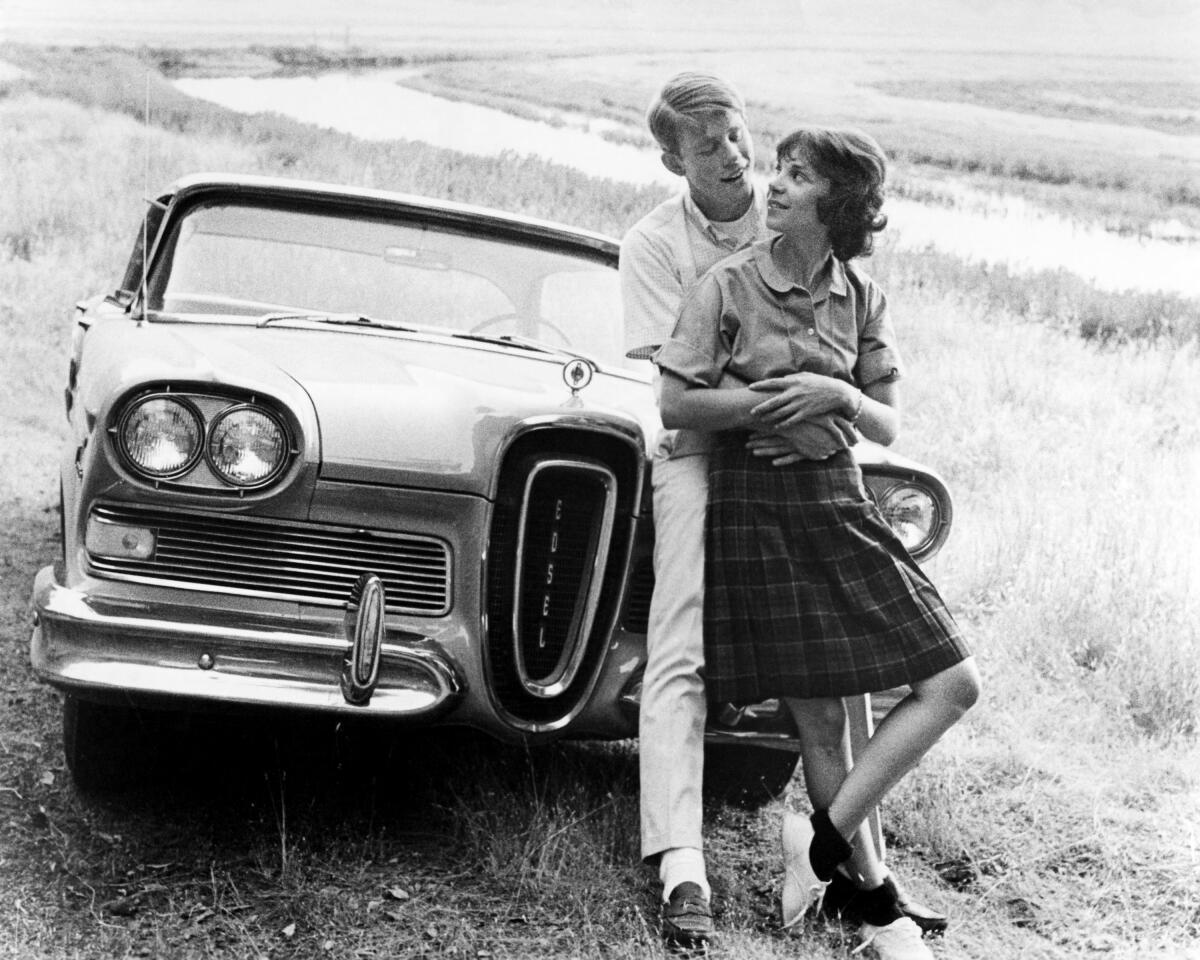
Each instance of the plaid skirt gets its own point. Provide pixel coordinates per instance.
(808, 592)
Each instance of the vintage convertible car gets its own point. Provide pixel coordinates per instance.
(345, 451)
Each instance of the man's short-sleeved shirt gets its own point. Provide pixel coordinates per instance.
(746, 318)
(666, 252)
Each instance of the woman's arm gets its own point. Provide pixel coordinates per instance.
(686, 405)
(800, 397)
(879, 419)
(698, 349)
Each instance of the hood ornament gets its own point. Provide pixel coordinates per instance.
(577, 374)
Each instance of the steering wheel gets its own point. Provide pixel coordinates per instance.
(539, 324)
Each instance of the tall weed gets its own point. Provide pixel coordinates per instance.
(1070, 466)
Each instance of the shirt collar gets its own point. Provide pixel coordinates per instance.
(837, 278)
(834, 280)
(696, 215)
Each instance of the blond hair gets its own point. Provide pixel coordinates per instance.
(688, 97)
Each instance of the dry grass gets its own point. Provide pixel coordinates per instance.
(1057, 821)
(1067, 463)
(1066, 805)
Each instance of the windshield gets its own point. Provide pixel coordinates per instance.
(255, 261)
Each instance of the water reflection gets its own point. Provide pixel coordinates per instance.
(981, 226)
(374, 107)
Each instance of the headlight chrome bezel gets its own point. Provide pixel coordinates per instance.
(209, 408)
(268, 414)
(885, 487)
(140, 403)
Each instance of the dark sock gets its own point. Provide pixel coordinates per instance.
(829, 848)
(878, 907)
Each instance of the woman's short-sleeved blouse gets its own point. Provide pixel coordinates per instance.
(747, 319)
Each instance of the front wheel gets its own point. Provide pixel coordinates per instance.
(107, 748)
(746, 776)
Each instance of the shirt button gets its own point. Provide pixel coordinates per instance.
(812, 332)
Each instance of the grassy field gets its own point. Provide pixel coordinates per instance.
(1058, 821)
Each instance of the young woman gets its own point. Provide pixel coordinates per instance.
(809, 595)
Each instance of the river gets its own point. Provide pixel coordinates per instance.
(988, 227)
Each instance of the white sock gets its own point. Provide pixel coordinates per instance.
(679, 865)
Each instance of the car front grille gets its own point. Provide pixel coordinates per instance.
(304, 562)
(557, 557)
(566, 528)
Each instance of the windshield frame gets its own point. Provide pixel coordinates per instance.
(474, 225)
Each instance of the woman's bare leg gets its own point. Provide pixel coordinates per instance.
(906, 734)
(825, 756)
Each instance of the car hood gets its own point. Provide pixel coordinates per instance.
(413, 410)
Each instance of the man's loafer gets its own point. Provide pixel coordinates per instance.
(687, 918)
(841, 894)
(931, 922)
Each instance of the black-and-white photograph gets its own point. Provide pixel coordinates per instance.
(602, 479)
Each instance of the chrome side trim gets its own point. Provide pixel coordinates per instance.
(750, 738)
(559, 679)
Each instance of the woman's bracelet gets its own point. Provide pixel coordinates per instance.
(857, 408)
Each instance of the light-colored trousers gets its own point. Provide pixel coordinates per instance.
(673, 707)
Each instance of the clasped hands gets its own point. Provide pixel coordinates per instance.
(802, 419)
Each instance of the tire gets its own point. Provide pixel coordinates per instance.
(745, 776)
(107, 748)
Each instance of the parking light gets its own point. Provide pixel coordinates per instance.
(118, 540)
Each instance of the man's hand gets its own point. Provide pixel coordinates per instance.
(818, 439)
(799, 397)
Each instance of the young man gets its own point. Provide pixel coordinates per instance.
(699, 122)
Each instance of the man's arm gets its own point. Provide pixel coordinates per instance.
(800, 397)
(651, 290)
(699, 407)
(816, 439)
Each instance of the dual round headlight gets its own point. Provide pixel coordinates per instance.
(163, 437)
(913, 513)
(247, 446)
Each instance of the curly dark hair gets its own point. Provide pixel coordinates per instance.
(855, 166)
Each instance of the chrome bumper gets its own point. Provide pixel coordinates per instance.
(171, 653)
